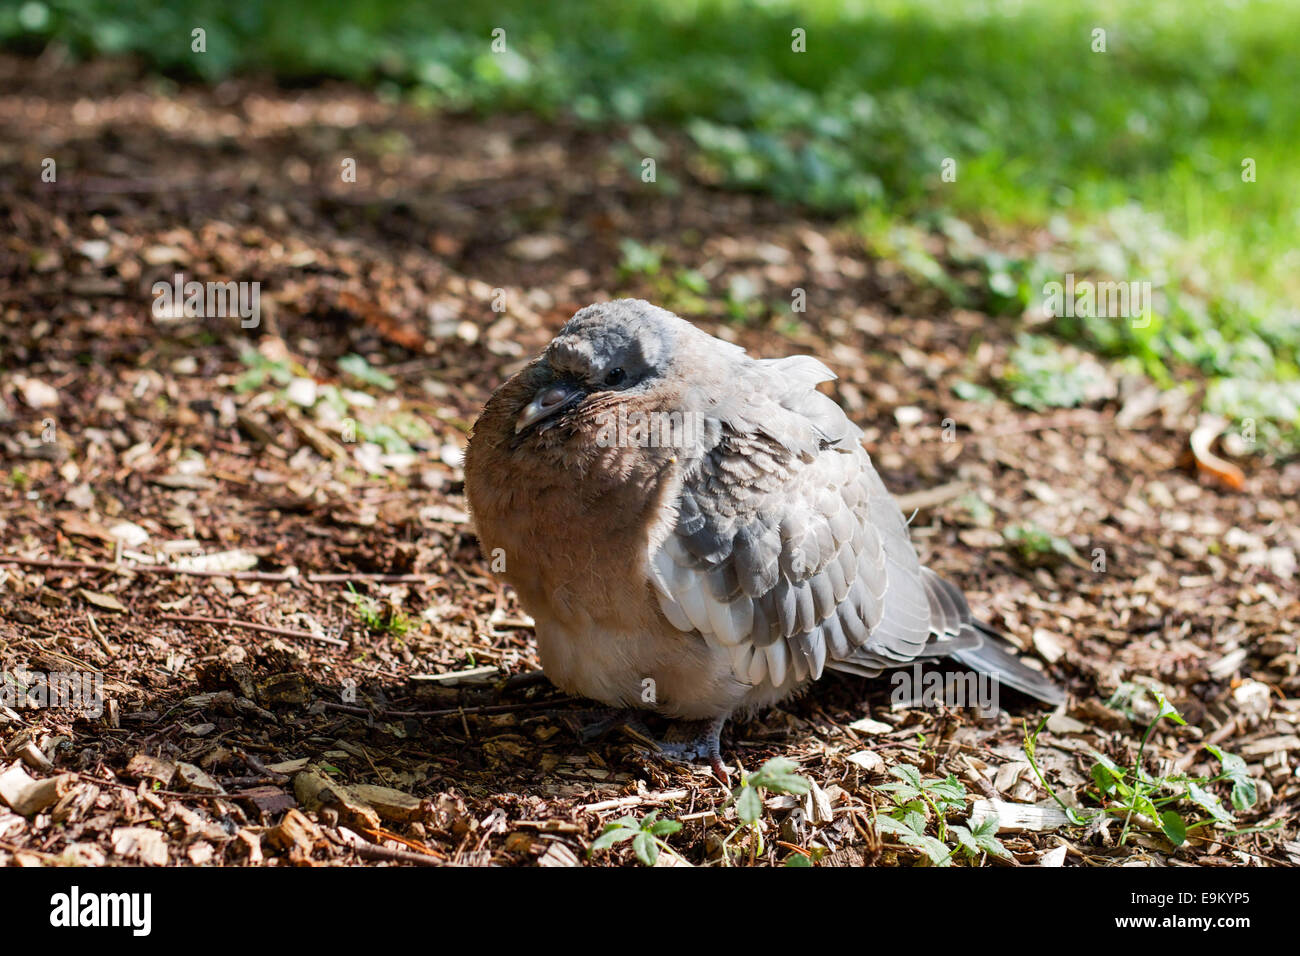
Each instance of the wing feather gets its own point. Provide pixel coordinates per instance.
(786, 548)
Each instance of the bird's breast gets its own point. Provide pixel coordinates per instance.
(655, 667)
(574, 546)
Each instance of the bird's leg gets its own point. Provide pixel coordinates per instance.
(706, 745)
(595, 723)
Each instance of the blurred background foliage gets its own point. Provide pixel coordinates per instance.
(1130, 160)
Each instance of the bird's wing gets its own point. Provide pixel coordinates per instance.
(787, 550)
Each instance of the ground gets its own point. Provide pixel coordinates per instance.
(322, 499)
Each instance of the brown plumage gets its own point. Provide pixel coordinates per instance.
(697, 532)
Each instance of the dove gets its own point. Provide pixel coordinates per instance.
(699, 533)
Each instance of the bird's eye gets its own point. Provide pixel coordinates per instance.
(615, 377)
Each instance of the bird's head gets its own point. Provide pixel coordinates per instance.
(607, 354)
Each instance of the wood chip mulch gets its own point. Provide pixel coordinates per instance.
(336, 678)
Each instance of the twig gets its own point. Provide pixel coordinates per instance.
(265, 628)
(378, 833)
(356, 709)
(144, 569)
(636, 800)
(330, 578)
(368, 851)
(378, 578)
(174, 794)
(99, 635)
(372, 851)
(449, 712)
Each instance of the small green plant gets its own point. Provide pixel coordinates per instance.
(1036, 546)
(776, 776)
(692, 281)
(916, 802)
(685, 291)
(981, 838)
(647, 836)
(385, 436)
(638, 259)
(1156, 801)
(980, 514)
(357, 366)
(973, 392)
(743, 301)
(1042, 374)
(391, 621)
(261, 370)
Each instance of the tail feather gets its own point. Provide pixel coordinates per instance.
(995, 658)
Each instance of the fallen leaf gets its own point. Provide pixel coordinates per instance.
(1207, 430)
(105, 601)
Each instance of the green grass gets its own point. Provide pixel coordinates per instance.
(376, 618)
(1134, 155)
(1174, 802)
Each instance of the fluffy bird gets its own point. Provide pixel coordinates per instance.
(699, 533)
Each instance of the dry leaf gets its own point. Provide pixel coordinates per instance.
(105, 601)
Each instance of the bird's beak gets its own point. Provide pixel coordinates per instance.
(546, 403)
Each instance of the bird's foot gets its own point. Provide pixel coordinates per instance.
(595, 723)
(706, 746)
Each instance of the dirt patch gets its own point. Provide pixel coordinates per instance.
(324, 501)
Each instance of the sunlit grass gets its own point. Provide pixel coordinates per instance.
(1039, 123)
